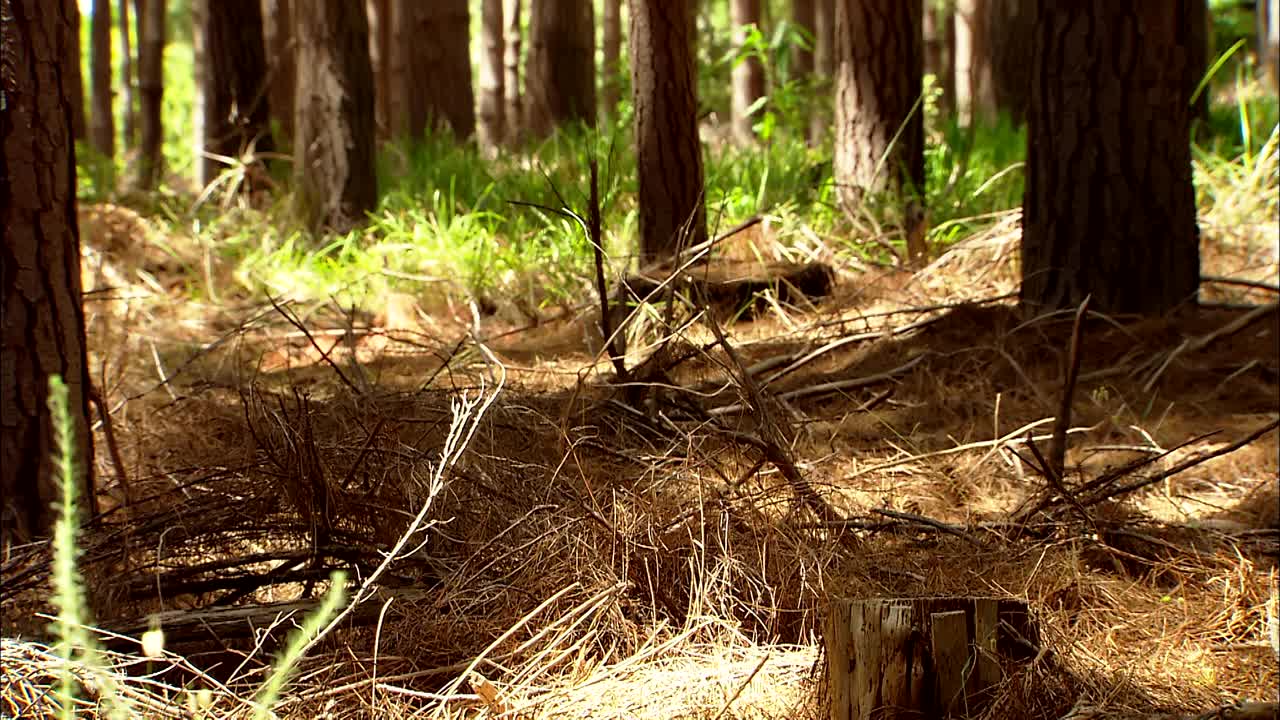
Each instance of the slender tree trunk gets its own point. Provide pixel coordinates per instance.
(102, 128)
(151, 15)
(1110, 209)
(802, 14)
(333, 150)
(975, 89)
(1011, 26)
(431, 68)
(824, 25)
(511, 12)
(237, 119)
(79, 129)
(561, 82)
(42, 333)
(939, 55)
(277, 37)
(668, 153)
(879, 126)
(380, 35)
(1268, 21)
(611, 46)
(127, 81)
(748, 73)
(492, 118)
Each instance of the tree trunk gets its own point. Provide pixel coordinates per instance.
(1011, 26)
(1268, 21)
(975, 89)
(492, 118)
(129, 113)
(1109, 209)
(939, 52)
(802, 14)
(237, 121)
(151, 15)
(43, 329)
(824, 26)
(748, 73)
(333, 150)
(102, 127)
(431, 68)
(561, 82)
(277, 37)
(611, 46)
(668, 154)
(879, 144)
(511, 10)
(380, 35)
(1200, 26)
(73, 58)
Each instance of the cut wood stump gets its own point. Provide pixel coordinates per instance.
(921, 657)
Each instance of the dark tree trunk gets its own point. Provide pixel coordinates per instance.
(128, 82)
(668, 153)
(1011, 26)
(151, 16)
(1109, 210)
(42, 332)
(879, 128)
(611, 46)
(560, 86)
(748, 74)
(1199, 25)
(333, 151)
(802, 14)
(102, 127)
(73, 56)
(492, 124)
(824, 39)
(277, 37)
(431, 67)
(237, 119)
(380, 36)
(513, 98)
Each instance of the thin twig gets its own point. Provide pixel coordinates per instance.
(1058, 445)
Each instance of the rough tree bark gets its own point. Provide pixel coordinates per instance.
(1109, 209)
(492, 125)
(748, 73)
(151, 15)
(333, 115)
(102, 126)
(668, 153)
(431, 68)
(380, 36)
(611, 55)
(237, 118)
(975, 86)
(879, 128)
(277, 37)
(1011, 27)
(513, 98)
(42, 330)
(560, 85)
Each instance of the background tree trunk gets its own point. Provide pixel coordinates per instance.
(668, 153)
(560, 86)
(277, 37)
(431, 68)
(334, 150)
(1109, 210)
(379, 16)
(1011, 26)
(611, 47)
(73, 59)
(939, 50)
(975, 90)
(748, 73)
(511, 56)
(824, 39)
(151, 15)
(1268, 20)
(879, 143)
(1200, 27)
(43, 329)
(102, 126)
(492, 116)
(128, 103)
(233, 80)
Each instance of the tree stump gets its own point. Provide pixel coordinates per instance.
(921, 657)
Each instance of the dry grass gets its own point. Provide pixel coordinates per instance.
(597, 554)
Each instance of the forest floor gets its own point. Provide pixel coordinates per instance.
(576, 548)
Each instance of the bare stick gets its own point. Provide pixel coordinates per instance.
(1058, 445)
(597, 246)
